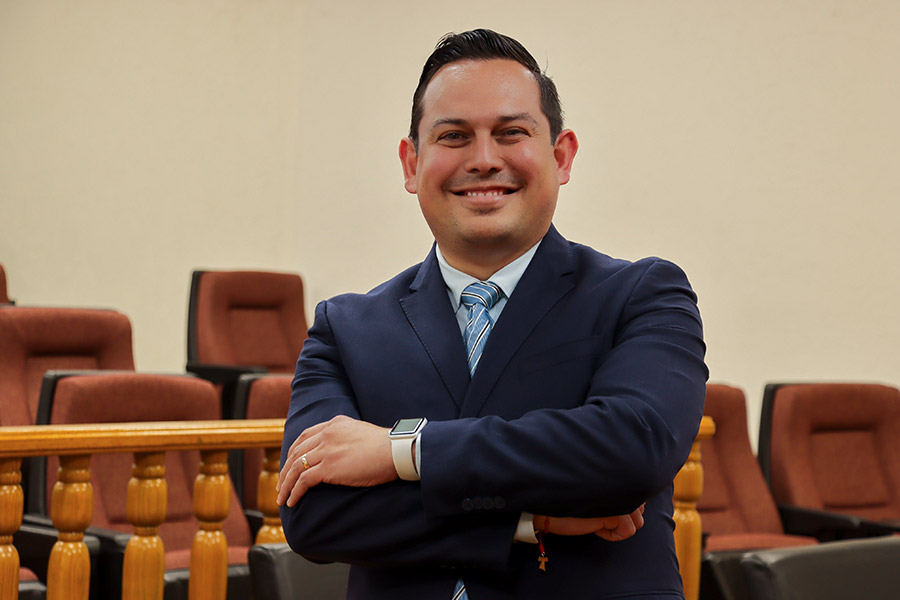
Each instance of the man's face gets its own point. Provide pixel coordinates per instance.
(486, 172)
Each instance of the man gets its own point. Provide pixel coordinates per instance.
(540, 430)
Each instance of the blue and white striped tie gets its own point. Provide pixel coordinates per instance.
(478, 298)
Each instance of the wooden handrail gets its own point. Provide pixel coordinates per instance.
(72, 505)
(107, 438)
(688, 529)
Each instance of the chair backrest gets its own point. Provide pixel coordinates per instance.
(252, 318)
(735, 498)
(834, 447)
(258, 397)
(277, 573)
(35, 340)
(4, 294)
(833, 571)
(124, 397)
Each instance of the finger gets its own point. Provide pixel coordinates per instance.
(626, 527)
(637, 517)
(307, 480)
(288, 478)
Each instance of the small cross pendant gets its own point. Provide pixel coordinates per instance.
(543, 560)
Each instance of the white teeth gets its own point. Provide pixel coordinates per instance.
(485, 193)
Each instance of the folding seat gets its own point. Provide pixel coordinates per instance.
(736, 507)
(123, 397)
(258, 396)
(834, 448)
(243, 322)
(34, 340)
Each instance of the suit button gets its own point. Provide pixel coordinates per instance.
(467, 504)
(488, 503)
(499, 503)
(479, 503)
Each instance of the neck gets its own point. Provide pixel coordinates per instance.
(482, 263)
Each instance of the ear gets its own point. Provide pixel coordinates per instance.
(564, 152)
(409, 159)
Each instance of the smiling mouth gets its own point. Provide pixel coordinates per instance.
(485, 193)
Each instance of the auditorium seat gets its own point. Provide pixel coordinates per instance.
(736, 509)
(844, 570)
(34, 340)
(258, 396)
(277, 573)
(123, 397)
(834, 448)
(243, 322)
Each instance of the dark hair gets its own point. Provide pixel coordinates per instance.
(484, 44)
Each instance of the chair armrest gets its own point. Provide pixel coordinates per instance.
(828, 526)
(277, 572)
(222, 374)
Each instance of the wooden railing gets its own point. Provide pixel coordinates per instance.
(688, 530)
(72, 501)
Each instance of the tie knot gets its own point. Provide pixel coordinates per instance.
(481, 292)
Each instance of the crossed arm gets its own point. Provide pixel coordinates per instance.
(349, 452)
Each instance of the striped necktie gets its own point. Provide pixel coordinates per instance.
(478, 298)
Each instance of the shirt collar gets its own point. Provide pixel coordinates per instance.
(506, 278)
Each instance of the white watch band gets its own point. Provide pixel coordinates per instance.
(401, 451)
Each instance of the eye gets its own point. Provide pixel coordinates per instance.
(452, 138)
(513, 134)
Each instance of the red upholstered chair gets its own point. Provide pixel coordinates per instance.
(35, 340)
(834, 447)
(4, 295)
(244, 321)
(736, 508)
(123, 397)
(258, 396)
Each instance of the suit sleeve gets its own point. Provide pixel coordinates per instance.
(385, 525)
(622, 446)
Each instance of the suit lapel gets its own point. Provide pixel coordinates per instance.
(547, 279)
(431, 317)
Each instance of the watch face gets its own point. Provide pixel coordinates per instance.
(406, 426)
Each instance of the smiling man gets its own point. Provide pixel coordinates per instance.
(504, 419)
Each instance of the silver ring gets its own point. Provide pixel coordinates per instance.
(305, 462)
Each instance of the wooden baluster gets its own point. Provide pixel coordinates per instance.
(72, 508)
(271, 531)
(209, 551)
(11, 505)
(688, 529)
(144, 569)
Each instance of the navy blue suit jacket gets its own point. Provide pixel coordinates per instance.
(585, 403)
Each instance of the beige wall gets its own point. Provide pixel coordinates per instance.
(754, 143)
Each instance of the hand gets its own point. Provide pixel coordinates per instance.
(614, 529)
(342, 451)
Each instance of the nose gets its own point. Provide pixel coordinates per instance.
(485, 156)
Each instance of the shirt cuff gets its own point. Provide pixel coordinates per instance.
(525, 529)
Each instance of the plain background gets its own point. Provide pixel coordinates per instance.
(756, 144)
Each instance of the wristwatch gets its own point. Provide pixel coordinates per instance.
(403, 434)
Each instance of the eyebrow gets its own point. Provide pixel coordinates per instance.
(523, 116)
